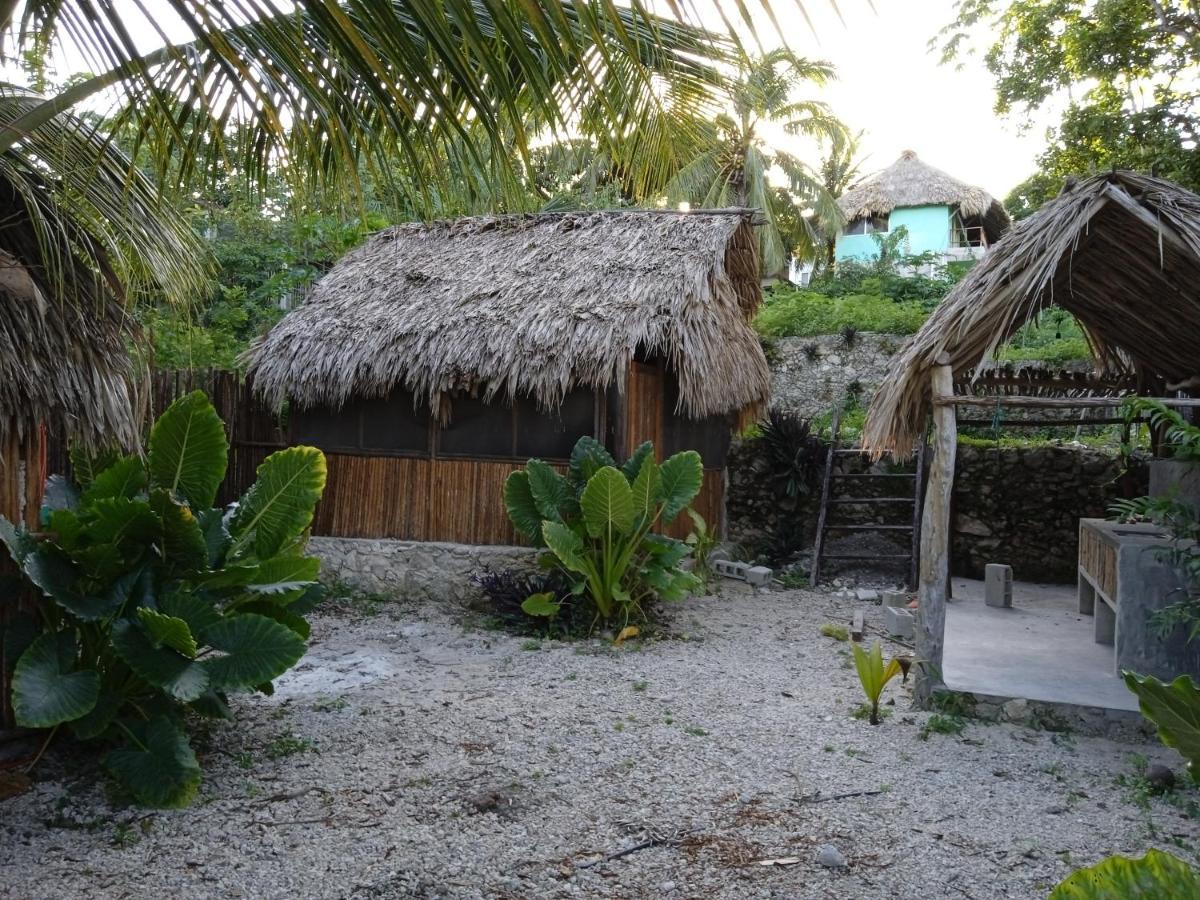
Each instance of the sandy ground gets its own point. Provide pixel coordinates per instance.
(412, 755)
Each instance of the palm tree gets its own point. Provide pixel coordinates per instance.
(840, 168)
(733, 168)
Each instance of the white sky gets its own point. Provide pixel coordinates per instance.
(889, 84)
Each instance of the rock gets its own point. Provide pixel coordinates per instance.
(1160, 778)
(831, 857)
(667, 886)
(1015, 710)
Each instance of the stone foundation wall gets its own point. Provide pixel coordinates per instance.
(413, 570)
(811, 375)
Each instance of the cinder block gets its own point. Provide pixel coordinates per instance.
(997, 585)
(899, 621)
(759, 575)
(895, 598)
(731, 569)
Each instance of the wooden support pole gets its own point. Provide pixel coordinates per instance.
(933, 589)
(1026, 402)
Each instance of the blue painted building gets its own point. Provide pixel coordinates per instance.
(940, 214)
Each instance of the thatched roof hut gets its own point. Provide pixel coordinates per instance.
(910, 182)
(529, 306)
(1119, 251)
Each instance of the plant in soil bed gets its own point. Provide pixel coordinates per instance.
(155, 605)
(596, 525)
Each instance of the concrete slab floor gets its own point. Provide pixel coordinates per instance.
(1040, 649)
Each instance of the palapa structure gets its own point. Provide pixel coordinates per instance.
(1119, 251)
(910, 182)
(431, 359)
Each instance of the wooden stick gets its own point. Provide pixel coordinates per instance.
(819, 798)
(947, 398)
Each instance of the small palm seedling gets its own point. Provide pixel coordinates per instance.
(874, 675)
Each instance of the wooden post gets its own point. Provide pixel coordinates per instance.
(934, 583)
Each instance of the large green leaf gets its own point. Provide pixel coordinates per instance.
(607, 503)
(188, 450)
(46, 688)
(19, 542)
(216, 535)
(183, 678)
(87, 463)
(195, 609)
(551, 492)
(278, 613)
(682, 476)
(168, 631)
(124, 478)
(279, 507)
(567, 546)
(96, 722)
(183, 542)
(158, 766)
(256, 650)
(60, 579)
(587, 458)
(1175, 709)
(1155, 876)
(521, 507)
(284, 575)
(646, 485)
(632, 467)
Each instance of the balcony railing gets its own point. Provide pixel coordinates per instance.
(968, 236)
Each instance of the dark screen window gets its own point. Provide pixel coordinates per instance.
(393, 424)
(709, 436)
(326, 428)
(477, 429)
(553, 435)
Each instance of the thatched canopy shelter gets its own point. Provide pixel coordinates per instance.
(529, 306)
(1119, 251)
(910, 182)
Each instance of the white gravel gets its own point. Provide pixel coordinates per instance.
(409, 756)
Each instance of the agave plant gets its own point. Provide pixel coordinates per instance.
(596, 524)
(155, 603)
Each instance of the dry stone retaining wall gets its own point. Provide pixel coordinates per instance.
(811, 375)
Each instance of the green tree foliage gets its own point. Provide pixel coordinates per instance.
(732, 164)
(1126, 68)
(156, 604)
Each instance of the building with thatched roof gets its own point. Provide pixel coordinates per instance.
(941, 214)
(431, 360)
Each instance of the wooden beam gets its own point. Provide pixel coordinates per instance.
(933, 589)
(1027, 402)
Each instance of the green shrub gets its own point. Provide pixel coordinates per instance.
(155, 603)
(804, 313)
(596, 523)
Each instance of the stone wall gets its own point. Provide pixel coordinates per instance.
(811, 375)
(413, 570)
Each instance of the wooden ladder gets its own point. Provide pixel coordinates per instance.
(907, 492)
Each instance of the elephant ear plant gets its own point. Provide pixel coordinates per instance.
(596, 524)
(156, 605)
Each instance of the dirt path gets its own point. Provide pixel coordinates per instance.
(410, 757)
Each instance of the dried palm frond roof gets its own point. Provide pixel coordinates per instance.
(910, 182)
(1119, 251)
(532, 306)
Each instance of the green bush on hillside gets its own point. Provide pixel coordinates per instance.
(793, 313)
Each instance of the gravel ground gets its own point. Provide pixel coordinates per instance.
(410, 756)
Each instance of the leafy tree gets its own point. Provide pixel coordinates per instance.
(840, 168)
(732, 166)
(1127, 68)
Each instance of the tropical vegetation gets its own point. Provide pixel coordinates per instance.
(595, 525)
(155, 605)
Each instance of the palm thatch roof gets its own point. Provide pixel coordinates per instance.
(1119, 251)
(910, 182)
(531, 306)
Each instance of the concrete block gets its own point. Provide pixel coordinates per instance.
(866, 595)
(895, 598)
(758, 576)
(899, 622)
(731, 569)
(997, 585)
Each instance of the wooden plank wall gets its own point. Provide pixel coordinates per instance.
(644, 388)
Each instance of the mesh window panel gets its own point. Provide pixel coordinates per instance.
(477, 429)
(393, 424)
(709, 437)
(553, 435)
(325, 428)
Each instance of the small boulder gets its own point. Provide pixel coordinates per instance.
(831, 857)
(1160, 778)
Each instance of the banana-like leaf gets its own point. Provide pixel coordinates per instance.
(1155, 876)
(158, 767)
(256, 650)
(183, 542)
(183, 678)
(1175, 709)
(551, 492)
(125, 478)
(607, 503)
(279, 507)
(646, 485)
(87, 463)
(567, 546)
(521, 507)
(188, 450)
(682, 476)
(168, 631)
(632, 467)
(46, 688)
(587, 458)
